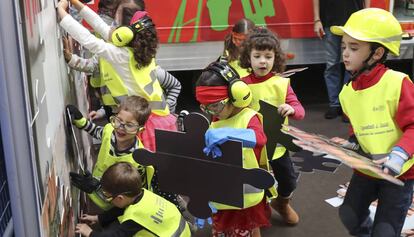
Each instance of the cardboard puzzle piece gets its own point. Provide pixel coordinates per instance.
(322, 145)
(307, 162)
(272, 125)
(184, 169)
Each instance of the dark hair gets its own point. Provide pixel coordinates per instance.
(242, 26)
(209, 78)
(138, 106)
(374, 46)
(145, 42)
(261, 39)
(122, 178)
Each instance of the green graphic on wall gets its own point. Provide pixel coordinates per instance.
(219, 11)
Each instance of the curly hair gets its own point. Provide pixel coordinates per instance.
(144, 43)
(263, 39)
(242, 26)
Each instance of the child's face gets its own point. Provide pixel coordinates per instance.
(262, 61)
(126, 126)
(227, 112)
(354, 53)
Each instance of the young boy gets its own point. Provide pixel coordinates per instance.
(139, 211)
(380, 105)
(119, 139)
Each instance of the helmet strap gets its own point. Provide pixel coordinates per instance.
(365, 67)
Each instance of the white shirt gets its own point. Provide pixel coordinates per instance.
(118, 57)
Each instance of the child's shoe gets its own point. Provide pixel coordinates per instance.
(281, 205)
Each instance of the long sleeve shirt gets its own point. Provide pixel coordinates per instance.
(118, 57)
(291, 98)
(405, 112)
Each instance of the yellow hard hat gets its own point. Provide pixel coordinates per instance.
(373, 25)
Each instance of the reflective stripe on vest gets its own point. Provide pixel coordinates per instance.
(272, 91)
(251, 196)
(157, 215)
(145, 85)
(105, 160)
(372, 114)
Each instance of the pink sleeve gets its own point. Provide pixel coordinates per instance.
(405, 116)
(292, 100)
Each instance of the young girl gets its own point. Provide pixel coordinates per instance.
(380, 105)
(233, 42)
(216, 97)
(126, 70)
(263, 57)
(119, 139)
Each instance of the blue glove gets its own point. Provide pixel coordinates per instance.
(396, 160)
(218, 136)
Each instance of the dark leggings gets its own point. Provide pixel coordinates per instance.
(284, 175)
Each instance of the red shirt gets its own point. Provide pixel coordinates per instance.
(405, 111)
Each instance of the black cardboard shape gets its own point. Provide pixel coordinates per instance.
(272, 125)
(184, 169)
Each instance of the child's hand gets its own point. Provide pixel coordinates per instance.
(96, 114)
(67, 52)
(83, 229)
(63, 4)
(89, 219)
(285, 110)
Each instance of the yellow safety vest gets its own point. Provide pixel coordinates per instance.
(252, 196)
(105, 160)
(272, 91)
(372, 115)
(159, 216)
(241, 71)
(113, 88)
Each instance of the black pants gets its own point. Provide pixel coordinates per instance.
(284, 175)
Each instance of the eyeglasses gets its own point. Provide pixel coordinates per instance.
(108, 197)
(214, 108)
(128, 127)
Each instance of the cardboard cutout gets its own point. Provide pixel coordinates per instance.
(183, 168)
(308, 162)
(272, 126)
(320, 144)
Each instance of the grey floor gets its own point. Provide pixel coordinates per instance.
(317, 218)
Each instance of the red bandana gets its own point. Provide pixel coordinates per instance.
(211, 94)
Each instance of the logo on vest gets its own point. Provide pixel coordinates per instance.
(159, 215)
(378, 108)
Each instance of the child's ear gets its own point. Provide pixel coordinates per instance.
(379, 52)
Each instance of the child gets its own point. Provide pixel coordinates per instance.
(138, 211)
(127, 64)
(264, 58)
(119, 139)
(233, 42)
(380, 105)
(222, 95)
(125, 10)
